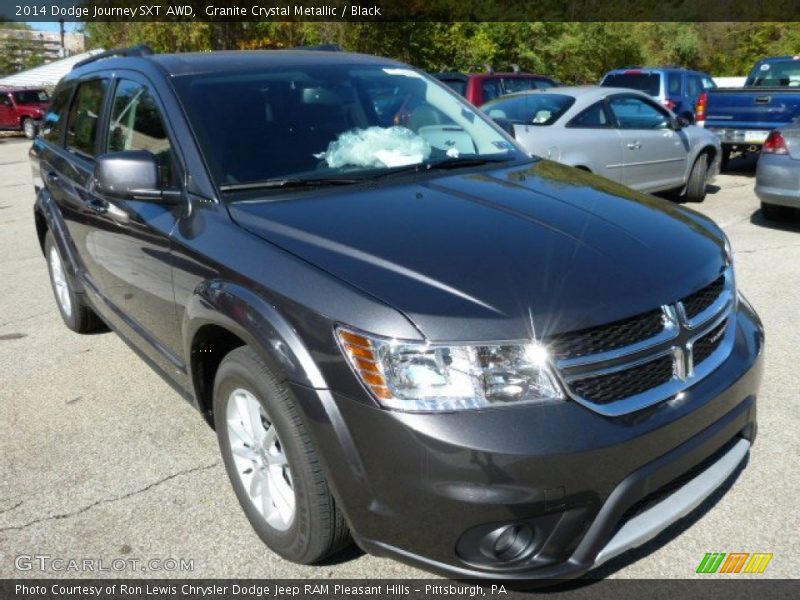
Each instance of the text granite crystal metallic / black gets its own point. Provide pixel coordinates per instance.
(405, 331)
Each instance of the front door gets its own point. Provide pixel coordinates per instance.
(654, 155)
(132, 249)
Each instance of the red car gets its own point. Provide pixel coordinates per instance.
(21, 109)
(479, 88)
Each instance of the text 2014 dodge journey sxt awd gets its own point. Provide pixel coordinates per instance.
(405, 331)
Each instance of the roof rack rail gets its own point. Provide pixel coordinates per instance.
(140, 50)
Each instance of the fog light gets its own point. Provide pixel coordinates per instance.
(513, 542)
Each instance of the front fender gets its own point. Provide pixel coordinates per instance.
(257, 323)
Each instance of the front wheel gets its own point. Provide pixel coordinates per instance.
(29, 128)
(272, 463)
(696, 186)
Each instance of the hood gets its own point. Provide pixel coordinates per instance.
(497, 255)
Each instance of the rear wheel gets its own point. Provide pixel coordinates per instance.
(696, 186)
(76, 314)
(272, 463)
(775, 212)
(29, 128)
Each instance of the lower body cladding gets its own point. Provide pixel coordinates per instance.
(778, 180)
(539, 491)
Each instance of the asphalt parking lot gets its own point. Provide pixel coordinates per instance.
(100, 459)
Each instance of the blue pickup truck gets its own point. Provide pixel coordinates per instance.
(743, 117)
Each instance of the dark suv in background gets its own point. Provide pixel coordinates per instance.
(676, 88)
(412, 335)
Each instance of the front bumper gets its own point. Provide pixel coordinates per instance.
(778, 180)
(430, 489)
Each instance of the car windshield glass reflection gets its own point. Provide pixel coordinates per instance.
(323, 123)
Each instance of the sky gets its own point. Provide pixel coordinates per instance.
(52, 26)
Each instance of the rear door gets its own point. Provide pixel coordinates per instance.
(68, 171)
(653, 154)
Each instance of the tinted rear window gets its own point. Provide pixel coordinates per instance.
(53, 122)
(530, 109)
(30, 96)
(459, 85)
(649, 83)
(783, 73)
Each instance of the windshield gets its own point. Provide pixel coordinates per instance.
(784, 73)
(320, 123)
(31, 97)
(529, 109)
(649, 83)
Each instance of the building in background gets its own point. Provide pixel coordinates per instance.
(25, 48)
(46, 75)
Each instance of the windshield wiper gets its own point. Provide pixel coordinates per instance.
(289, 183)
(451, 162)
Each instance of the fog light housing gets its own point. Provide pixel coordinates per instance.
(509, 543)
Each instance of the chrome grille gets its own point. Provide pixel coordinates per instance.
(630, 364)
(602, 389)
(607, 337)
(699, 301)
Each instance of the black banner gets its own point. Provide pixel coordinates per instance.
(405, 589)
(401, 10)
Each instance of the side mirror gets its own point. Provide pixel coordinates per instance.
(679, 123)
(131, 175)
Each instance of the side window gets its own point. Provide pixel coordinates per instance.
(636, 113)
(674, 84)
(53, 121)
(5, 100)
(136, 124)
(84, 116)
(491, 89)
(592, 117)
(694, 86)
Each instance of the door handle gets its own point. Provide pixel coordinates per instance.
(634, 145)
(52, 177)
(96, 205)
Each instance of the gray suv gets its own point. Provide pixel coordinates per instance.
(405, 331)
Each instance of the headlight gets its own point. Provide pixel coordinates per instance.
(422, 377)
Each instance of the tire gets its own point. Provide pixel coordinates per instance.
(290, 507)
(774, 212)
(696, 186)
(29, 128)
(76, 314)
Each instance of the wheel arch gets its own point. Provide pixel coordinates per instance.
(223, 315)
(227, 315)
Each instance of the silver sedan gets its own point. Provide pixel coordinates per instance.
(778, 173)
(618, 133)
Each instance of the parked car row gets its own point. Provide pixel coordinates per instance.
(636, 128)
